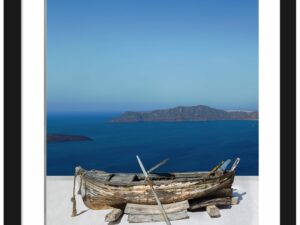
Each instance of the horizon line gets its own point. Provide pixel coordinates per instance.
(144, 110)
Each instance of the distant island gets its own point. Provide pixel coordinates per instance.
(186, 113)
(65, 138)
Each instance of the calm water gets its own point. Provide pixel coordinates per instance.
(189, 146)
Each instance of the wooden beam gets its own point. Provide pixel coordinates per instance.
(157, 218)
(113, 215)
(138, 209)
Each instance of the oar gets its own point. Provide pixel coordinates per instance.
(157, 165)
(162, 210)
(215, 168)
(235, 164)
(224, 166)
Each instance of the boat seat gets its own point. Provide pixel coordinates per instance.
(123, 178)
(99, 176)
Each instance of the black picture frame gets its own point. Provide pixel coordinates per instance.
(288, 112)
(12, 112)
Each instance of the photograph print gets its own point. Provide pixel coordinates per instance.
(152, 112)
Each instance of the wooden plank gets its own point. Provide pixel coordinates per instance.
(102, 177)
(123, 178)
(213, 211)
(95, 175)
(156, 217)
(113, 215)
(204, 203)
(138, 209)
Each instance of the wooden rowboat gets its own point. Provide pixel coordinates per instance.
(102, 190)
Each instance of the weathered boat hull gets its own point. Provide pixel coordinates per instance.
(98, 193)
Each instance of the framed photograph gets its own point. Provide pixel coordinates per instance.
(176, 112)
(132, 83)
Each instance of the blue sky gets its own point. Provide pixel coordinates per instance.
(147, 54)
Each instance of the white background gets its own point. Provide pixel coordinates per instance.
(33, 112)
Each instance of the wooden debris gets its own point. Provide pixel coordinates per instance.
(234, 201)
(213, 211)
(137, 209)
(197, 204)
(157, 217)
(113, 215)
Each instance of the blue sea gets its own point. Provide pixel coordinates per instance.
(190, 146)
